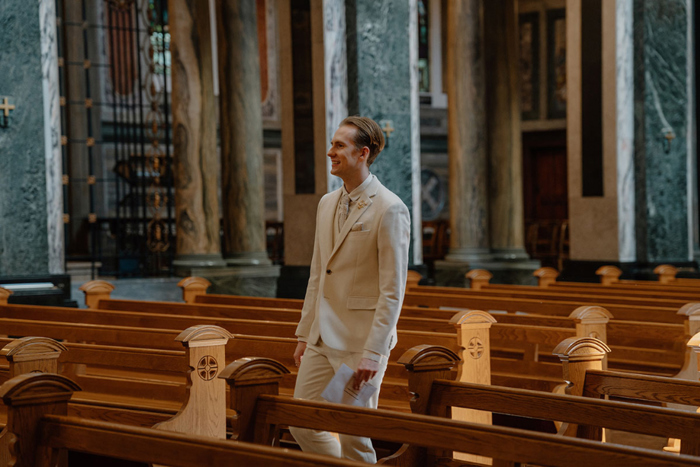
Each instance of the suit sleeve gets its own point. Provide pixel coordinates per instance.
(393, 242)
(308, 312)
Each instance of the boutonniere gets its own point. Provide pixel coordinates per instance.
(361, 204)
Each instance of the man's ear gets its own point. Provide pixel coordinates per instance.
(365, 152)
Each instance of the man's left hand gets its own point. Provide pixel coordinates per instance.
(365, 371)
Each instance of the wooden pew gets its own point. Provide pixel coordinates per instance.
(481, 288)
(144, 398)
(435, 395)
(262, 413)
(38, 429)
(520, 341)
(610, 278)
(194, 290)
(548, 287)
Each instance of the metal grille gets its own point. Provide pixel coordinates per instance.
(115, 81)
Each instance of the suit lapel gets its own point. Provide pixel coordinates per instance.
(363, 203)
(329, 217)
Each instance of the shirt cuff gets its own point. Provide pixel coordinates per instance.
(301, 339)
(374, 356)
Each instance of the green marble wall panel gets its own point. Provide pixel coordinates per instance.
(382, 84)
(30, 197)
(662, 98)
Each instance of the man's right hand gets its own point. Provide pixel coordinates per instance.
(299, 352)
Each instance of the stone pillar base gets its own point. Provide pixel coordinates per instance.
(256, 281)
(256, 258)
(183, 265)
(468, 255)
(451, 273)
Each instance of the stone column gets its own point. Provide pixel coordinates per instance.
(664, 127)
(241, 134)
(250, 271)
(31, 224)
(507, 224)
(467, 136)
(383, 85)
(194, 138)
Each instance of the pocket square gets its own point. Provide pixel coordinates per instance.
(357, 227)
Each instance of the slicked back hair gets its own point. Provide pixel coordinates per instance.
(368, 134)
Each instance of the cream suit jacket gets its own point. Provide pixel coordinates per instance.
(356, 286)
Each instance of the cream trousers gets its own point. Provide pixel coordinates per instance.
(318, 366)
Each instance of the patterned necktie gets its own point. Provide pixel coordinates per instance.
(343, 207)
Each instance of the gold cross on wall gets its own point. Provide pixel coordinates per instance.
(6, 107)
(388, 129)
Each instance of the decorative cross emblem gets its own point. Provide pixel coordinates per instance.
(388, 129)
(476, 348)
(207, 368)
(5, 108)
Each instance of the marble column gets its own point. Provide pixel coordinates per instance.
(666, 177)
(467, 133)
(31, 224)
(506, 215)
(249, 269)
(382, 53)
(194, 138)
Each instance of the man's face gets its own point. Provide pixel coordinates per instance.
(346, 160)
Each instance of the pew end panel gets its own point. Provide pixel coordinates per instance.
(412, 279)
(4, 295)
(592, 321)
(546, 276)
(32, 355)
(666, 273)
(577, 356)
(478, 278)
(690, 369)
(424, 364)
(203, 412)
(473, 338)
(28, 398)
(247, 379)
(192, 287)
(95, 291)
(609, 274)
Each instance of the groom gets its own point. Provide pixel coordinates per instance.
(357, 282)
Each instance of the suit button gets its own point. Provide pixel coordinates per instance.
(329, 272)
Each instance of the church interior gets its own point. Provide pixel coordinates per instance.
(161, 164)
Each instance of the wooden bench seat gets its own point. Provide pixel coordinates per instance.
(435, 395)
(262, 413)
(38, 404)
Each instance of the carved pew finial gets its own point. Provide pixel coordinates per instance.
(203, 411)
(609, 274)
(28, 398)
(412, 279)
(666, 273)
(193, 286)
(578, 355)
(95, 291)
(33, 355)
(478, 278)
(247, 379)
(546, 276)
(4, 295)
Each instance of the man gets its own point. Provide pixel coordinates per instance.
(357, 282)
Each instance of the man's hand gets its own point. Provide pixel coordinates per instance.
(299, 352)
(365, 371)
